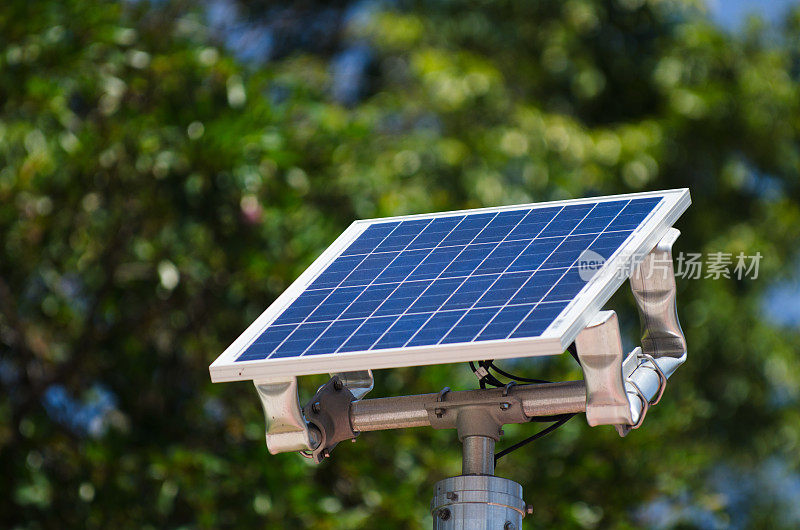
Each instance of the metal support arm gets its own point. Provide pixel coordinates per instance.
(334, 414)
(414, 411)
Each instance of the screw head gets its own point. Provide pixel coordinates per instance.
(504, 406)
(444, 514)
(451, 495)
(337, 384)
(509, 526)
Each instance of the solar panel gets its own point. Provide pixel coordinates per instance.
(456, 286)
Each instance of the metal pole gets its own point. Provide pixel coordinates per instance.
(477, 500)
(477, 457)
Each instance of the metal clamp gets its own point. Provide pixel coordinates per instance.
(599, 349)
(643, 374)
(662, 378)
(359, 383)
(643, 400)
(329, 414)
(644, 403)
(663, 347)
(287, 430)
(439, 411)
(476, 414)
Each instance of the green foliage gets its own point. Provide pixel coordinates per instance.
(156, 195)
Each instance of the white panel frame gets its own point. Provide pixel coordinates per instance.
(554, 340)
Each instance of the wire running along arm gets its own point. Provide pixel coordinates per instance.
(486, 377)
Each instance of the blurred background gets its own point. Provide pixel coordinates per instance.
(167, 168)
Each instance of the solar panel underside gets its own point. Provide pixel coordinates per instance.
(466, 277)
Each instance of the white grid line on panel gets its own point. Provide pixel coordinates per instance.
(478, 334)
(452, 246)
(337, 319)
(405, 312)
(432, 281)
(399, 284)
(409, 307)
(333, 290)
(462, 281)
(568, 268)
(470, 308)
(487, 273)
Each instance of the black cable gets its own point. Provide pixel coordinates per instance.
(515, 377)
(526, 441)
(574, 352)
(558, 420)
(490, 378)
(481, 382)
(490, 365)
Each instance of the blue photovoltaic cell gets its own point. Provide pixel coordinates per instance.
(450, 279)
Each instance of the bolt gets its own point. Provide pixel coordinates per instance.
(352, 440)
(326, 453)
(504, 406)
(452, 495)
(509, 526)
(439, 412)
(337, 384)
(444, 514)
(502, 432)
(529, 509)
(315, 407)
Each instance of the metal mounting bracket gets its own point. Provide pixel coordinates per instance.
(663, 347)
(329, 414)
(359, 383)
(482, 416)
(286, 428)
(620, 392)
(599, 348)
